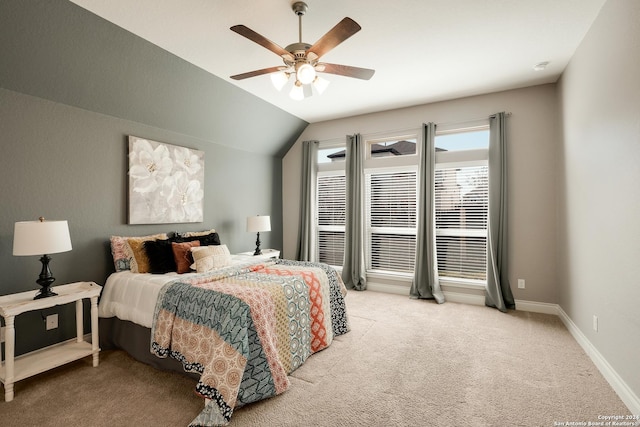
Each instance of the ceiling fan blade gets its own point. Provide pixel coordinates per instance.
(256, 73)
(346, 70)
(262, 41)
(342, 31)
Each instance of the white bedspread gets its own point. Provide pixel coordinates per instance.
(133, 296)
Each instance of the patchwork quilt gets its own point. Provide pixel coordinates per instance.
(245, 328)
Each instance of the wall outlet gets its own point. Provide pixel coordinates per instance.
(595, 323)
(520, 283)
(52, 321)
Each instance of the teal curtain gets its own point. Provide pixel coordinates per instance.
(498, 292)
(425, 277)
(306, 240)
(353, 268)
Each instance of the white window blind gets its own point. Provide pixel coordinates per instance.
(391, 207)
(462, 200)
(331, 218)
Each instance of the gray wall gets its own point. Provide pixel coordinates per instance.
(599, 203)
(72, 87)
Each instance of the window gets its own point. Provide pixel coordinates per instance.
(329, 155)
(462, 202)
(390, 148)
(390, 205)
(331, 218)
(391, 174)
(330, 203)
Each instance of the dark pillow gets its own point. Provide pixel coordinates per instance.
(182, 255)
(160, 254)
(206, 240)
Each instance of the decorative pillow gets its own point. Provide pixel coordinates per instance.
(182, 255)
(160, 255)
(211, 257)
(139, 261)
(205, 239)
(197, 233)
(121, 251)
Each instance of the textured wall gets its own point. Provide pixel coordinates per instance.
(72, 87)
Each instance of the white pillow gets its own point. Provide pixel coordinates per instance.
(209, 258)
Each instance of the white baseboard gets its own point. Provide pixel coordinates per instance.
(389, 289)
(627, 395)
(537, 307)
(463, 298)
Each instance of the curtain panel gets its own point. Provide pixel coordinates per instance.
(354, 268)
(426, 284)
(498, 291)
(306, 239)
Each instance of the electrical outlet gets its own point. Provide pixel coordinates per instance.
(520, 283)
(52, 321)
(595, 323)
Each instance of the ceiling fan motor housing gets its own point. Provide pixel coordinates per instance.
(299, 8)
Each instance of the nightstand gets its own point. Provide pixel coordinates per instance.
(38, 361)
(266, 254)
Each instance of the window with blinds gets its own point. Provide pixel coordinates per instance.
(391, 207)
(331, 193)
(462, 201)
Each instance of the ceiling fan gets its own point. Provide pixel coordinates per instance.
(302, 60)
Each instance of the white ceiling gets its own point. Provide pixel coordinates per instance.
(422, 50)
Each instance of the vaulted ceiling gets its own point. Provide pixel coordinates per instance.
(422, 50)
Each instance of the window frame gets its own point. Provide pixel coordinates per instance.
(336, 168)
(458, 160)
(383, 165)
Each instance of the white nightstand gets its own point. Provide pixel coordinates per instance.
(47, 358)
(266, 254)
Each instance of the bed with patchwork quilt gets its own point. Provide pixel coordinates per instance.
(240, 329)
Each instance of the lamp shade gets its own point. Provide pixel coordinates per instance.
(41, 237)
(258, 223)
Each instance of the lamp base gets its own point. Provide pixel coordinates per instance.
(45, 279)
(258, 251)
(45, 292)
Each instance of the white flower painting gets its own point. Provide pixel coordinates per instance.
(166, 183)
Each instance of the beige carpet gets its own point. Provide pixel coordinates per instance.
(404, 363)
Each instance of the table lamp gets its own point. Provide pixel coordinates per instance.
(256, 224)
(41, 238)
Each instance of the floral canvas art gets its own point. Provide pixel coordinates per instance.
(166, 183)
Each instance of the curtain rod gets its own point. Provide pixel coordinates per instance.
(469, 120)
(405, 131)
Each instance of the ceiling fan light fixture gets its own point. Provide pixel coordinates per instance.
(305, 73)
(320, 84)
(302, 59)
(297, 91)
(279, 79)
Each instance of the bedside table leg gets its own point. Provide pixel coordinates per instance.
(94, 331)
(79, 322)
(9, 347)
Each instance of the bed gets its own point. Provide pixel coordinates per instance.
(238, 325)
